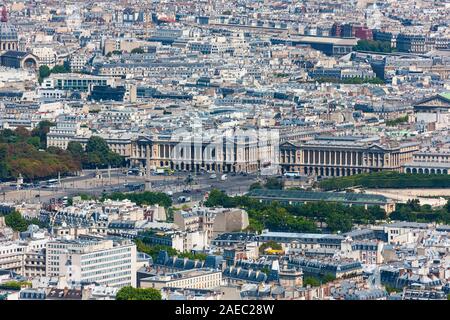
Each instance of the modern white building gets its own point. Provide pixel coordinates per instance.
(105, 262)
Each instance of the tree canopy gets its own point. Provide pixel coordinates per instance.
(14, 285)
(397, 121)
(20, 154)
(389, 179)
(15, 221)
(60, 69)
(297, 218)
(274, 184)
(41, 131)
(413, 211)
(130, 293)
(143, 245)
(45, 71)
(98, 154)
(137, 50)
(374, 45)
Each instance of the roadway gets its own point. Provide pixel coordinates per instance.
(87, 182)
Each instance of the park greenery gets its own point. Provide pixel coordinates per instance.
(142, 198)
(14, 285)
(130, 293)
(96, 154)
(152, 250)
(41, 131)
(15, 221)
(413, 211)
(318, 280)
(297, 218)
(138, 50)
(45, 71)
(21, 152)
(391, 289)
(374, 46)
(114, 52)
(271, 184)
(397, 121)
(25, 152)
(388, 179)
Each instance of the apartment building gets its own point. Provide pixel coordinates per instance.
(26, 258)
(188, 279)
(12, 256)
(183, 241)
(214, 221)
(105, 262)
(68, 128)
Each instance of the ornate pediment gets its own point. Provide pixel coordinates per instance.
(288, 145)
(437, 101)
(143, 140)
(376, 147)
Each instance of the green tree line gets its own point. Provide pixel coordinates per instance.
(374, 45)
(387, 179)
(397, 121)
(130, 293)
(25, 152)
(22, 152)
(297, 218)
(45, 71)
(317, 281)
(96, 155)
(271, 184)
(14, 285)
(153, 250)
(15, 221)
(412, 211)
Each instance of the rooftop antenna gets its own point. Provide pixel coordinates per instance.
(4, 17)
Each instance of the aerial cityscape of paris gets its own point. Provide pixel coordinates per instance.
(254, 151)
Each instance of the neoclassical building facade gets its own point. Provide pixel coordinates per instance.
(219, 153)
(344, 156)
(429, 161)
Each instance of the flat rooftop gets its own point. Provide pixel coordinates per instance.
(296, 195)
(322, 40)
(181, 275)
(295, 235)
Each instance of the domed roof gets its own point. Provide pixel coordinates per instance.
(7, 32)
